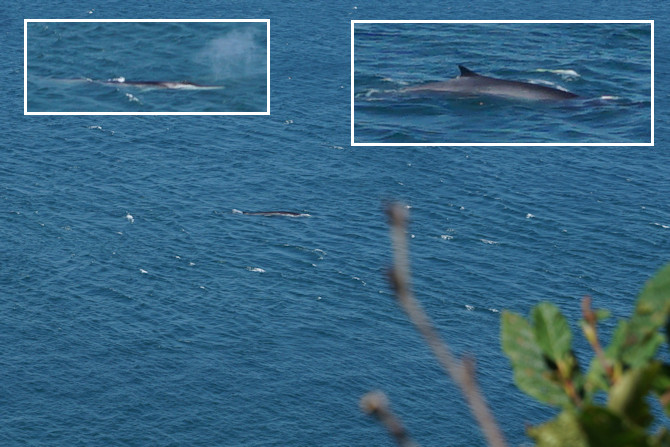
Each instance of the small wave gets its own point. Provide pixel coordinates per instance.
(530, 216)
(490, 309)
(255, 269)
(609, 98)
(111, 132)
(487, 241)
(446, 237)
(359, 280)
(661, 225)
(393, 81)
(132, 98)
(549, 84)
(565, 74)
(129, 217)
(367, 93)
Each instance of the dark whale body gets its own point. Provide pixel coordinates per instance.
(167, 85)
(469, 83)
(172, 85)
(272, 213)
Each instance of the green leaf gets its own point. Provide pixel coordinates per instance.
(627, 398)
(641, 341)
(531, 373)
(596, 379)
(654, 300)
(661, 387)
(636, 341)
(561, 432)
(605, 428)
(602, 314)
(642, 338)
(662, 438)
(552, 331)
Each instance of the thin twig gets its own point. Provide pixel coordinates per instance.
(591, 332)
(461, 374)
(377, 404)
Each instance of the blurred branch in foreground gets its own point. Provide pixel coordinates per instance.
(376, 404)
(462, 373)
(631, 371)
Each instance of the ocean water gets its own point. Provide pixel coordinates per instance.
(136, 308)
(91, 66)
(607, 64)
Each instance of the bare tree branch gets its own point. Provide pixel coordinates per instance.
(462, 374)
(376, 403)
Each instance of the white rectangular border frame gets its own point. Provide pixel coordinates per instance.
(650, 22)
(25, 66)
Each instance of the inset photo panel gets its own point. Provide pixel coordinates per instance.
(147, 67)
(502, 83)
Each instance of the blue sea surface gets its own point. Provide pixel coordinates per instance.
(91, 66)
(137, 308)
(607, 64)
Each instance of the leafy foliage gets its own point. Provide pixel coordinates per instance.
(627, 371)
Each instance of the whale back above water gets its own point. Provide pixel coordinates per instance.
(469, 83)
(146, 85)
(171, 85)
(271, 213)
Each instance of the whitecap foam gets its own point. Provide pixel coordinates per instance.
(488, 241)
(129, 217)
(530, 216)
(111, 132)
(563, 73)
(255, 269)
(548, 84)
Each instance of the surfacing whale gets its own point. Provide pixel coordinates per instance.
(469, 83)
(169, 85)
(172, 85)
(272, 213)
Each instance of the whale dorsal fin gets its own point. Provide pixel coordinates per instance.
(466, 72)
